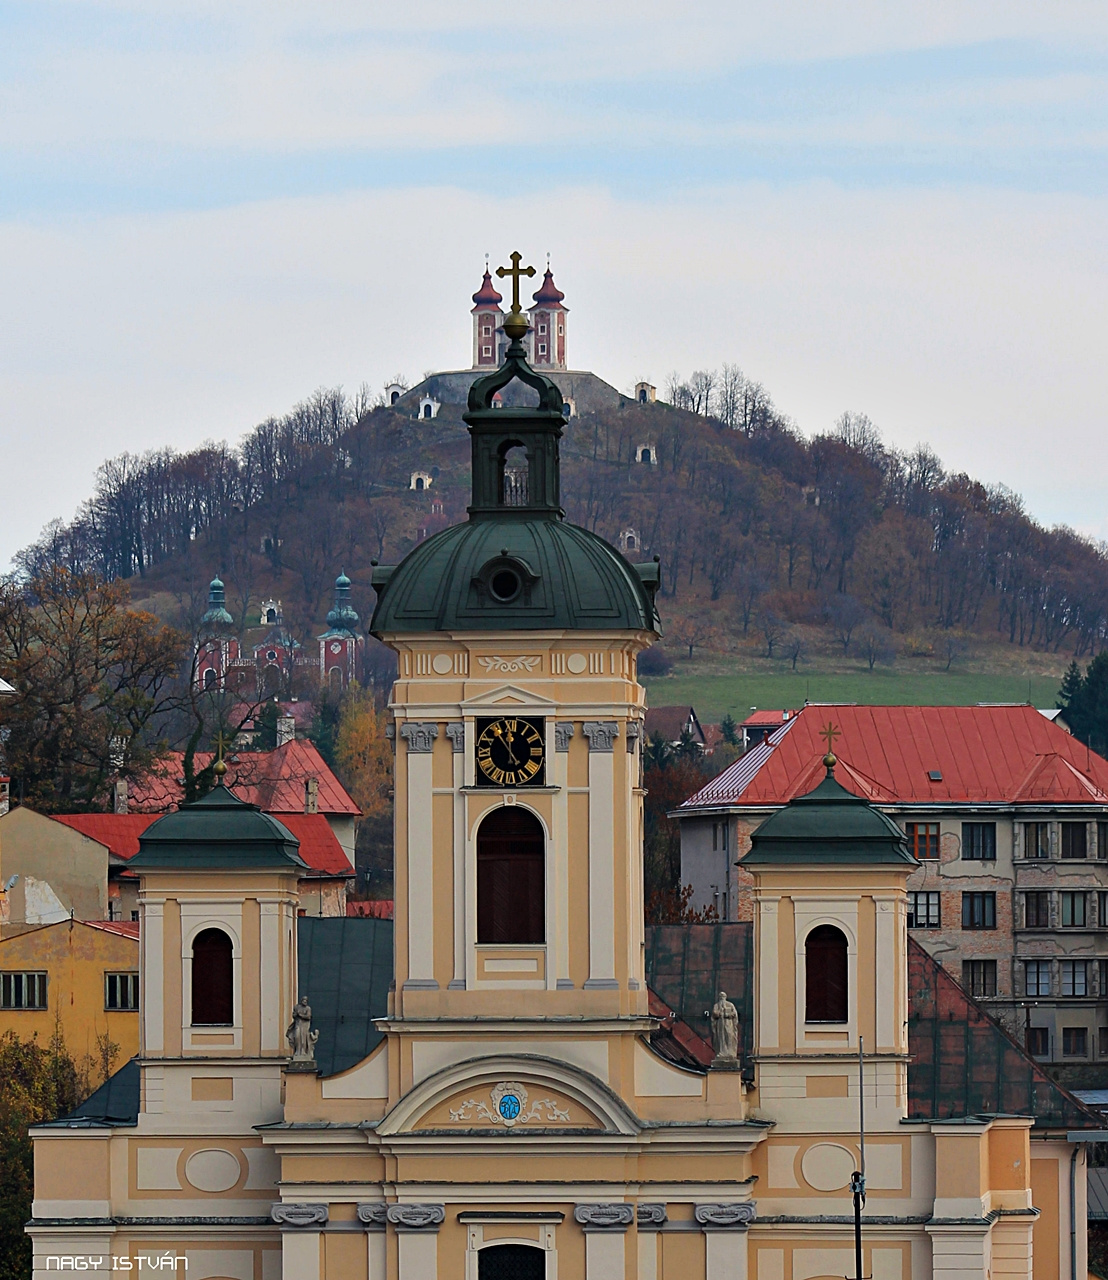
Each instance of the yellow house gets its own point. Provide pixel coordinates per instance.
(477, 1091)
(76, 975)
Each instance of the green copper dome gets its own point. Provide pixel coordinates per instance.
(516, 564)
(828, 825)
(216, 614)
(218, 832)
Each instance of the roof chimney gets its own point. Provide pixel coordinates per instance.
(311, 795)
(286, 730)
(119, 795)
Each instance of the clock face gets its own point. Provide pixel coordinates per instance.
(510, 753)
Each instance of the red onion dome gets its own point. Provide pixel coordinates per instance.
(487, 296)
(549, 292)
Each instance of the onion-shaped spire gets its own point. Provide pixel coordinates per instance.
(343, 616)
(216, 614)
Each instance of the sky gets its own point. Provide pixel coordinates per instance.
(207, 210)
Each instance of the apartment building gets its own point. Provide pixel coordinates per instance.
(1007, 815)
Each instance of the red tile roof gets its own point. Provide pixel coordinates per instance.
(999, 754)
(319, 846)
(273, 780)
(125, 928)
(119, 832)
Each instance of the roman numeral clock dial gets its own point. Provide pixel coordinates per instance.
(510, 753)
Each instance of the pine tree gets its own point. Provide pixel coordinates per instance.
(729, 729)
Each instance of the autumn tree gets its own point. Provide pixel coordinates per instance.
(364, 760)
(92, 677)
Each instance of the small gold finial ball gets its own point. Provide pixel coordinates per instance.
(829, 761)
(515, 325)
(220, 767)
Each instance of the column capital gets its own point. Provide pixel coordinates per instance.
(601, 734)
(419, 735)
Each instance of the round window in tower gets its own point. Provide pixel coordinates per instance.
(505, 585)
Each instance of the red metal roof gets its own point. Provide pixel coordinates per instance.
(999, 754)
(766, 719)
(125, 928)
(273, 780)
(319, 846)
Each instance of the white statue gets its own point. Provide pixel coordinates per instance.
(300, 1035)
(725, 1029)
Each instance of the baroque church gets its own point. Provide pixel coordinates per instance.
(517, 1079)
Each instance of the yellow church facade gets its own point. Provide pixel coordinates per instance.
(488, 1099)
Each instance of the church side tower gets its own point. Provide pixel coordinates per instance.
(548, 326)
(340, 646)
(216, 647)
(830, 938)
(488, 333)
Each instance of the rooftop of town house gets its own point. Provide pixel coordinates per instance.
(1000, 754)
(273, 780)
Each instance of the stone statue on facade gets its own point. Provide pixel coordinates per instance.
(300, 1035)
(725, 1031)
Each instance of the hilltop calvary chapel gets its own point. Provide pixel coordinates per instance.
(516, 1079)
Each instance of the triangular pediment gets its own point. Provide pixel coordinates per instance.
(508, 695)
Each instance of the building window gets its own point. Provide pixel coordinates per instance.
(213, 982)
(825, 982)
(719, 829)
(1102, 977)
(1036, 977)
(486, 331)
(923, 910)
(1075, 981)
(1074, 842)
(924, 839)
(979, 977)
(1073, 910)
(1036, 910)
(978, 910)
(1102, 1042)
(121, 991)
(542, 328)
(542, 348)
(1036, 839)
(979, 841)
(486, 351)
(1102, 839)
(1075, 1042)
(511, 872)
(135, 916)
(22, 990)
(1038, 1042)
(511, 1262)
(1102, 909)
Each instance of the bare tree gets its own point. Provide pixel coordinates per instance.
(773, 630)
(844, 613)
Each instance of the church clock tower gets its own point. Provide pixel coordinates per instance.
(518, 721)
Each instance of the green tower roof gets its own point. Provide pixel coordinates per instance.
(515, 564)
(828, 825)
(219, 832)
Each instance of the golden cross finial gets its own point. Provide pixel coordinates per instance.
(515, 271)
(220, 766)
(829, 733)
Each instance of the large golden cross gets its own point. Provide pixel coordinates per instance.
(515, 271)
(829, 733)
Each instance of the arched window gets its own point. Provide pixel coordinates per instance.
(825, 975)
(213, 984)
(210, 678)
(427, 411)
(511, 870)
(334, 676)
(511, 1262)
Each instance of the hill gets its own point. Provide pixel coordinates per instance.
(796, 554)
